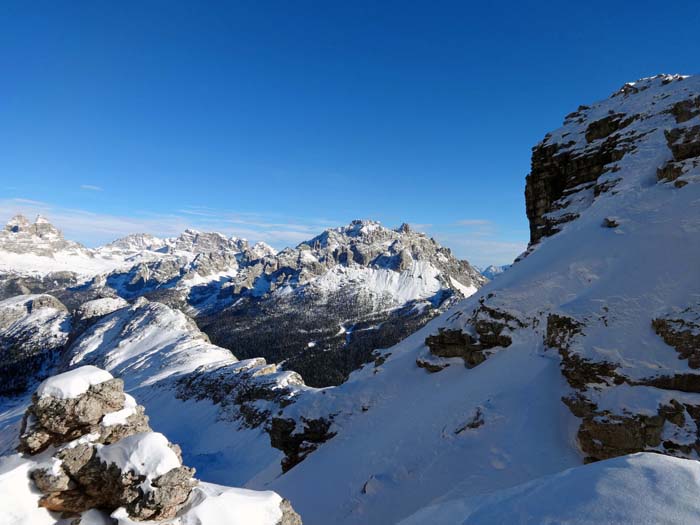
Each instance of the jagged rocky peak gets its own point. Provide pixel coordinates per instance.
(368, 243)
(38, 238)
(17, 223)
(136, 242)
(599, 151)
(92, 455)
(492, 270)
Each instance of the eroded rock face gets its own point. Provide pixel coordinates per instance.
(52, 421)
(88, 430)
(298, 445)
(561, 178)
(575, 165)
(682, 332)
(603, 433)
(490, 329)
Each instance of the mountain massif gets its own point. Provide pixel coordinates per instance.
(321, 308)
(566, 390)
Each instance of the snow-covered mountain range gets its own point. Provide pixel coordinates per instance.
(586, 350)
(322, 307)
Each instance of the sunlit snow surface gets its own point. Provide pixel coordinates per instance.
(73, 383)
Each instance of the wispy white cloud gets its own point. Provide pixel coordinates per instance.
(474, 222)
(481, 241)
(93, 228)
(478, 240)
(90, 187)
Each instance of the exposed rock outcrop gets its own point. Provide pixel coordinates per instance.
(95, 450)
(573, 166)
(105, 455)
(489, 328)
(682, 332)
(297, 445)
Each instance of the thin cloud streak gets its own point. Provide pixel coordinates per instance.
(90, 187)
(480, 243)
(94, 229)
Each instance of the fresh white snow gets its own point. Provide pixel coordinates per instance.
(18, 496)
(214, 504)
(120, 417)
(73, 383)
(146, 454)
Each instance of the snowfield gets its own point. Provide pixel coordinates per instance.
(643, 489)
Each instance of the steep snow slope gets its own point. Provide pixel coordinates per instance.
(644, 489)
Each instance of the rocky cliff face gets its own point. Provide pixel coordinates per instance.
(573, 166)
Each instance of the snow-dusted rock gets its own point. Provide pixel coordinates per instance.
(134, 474)
(72, 384)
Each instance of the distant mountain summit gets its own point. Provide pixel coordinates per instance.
(491, 271)
(38, 238)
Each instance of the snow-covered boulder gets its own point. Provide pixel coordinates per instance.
(89, 451)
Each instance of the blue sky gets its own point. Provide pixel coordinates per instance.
(274, 120)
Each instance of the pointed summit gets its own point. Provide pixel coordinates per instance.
(17, 223)
(404, 228)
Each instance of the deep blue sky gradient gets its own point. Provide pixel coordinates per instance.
(275, 119)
